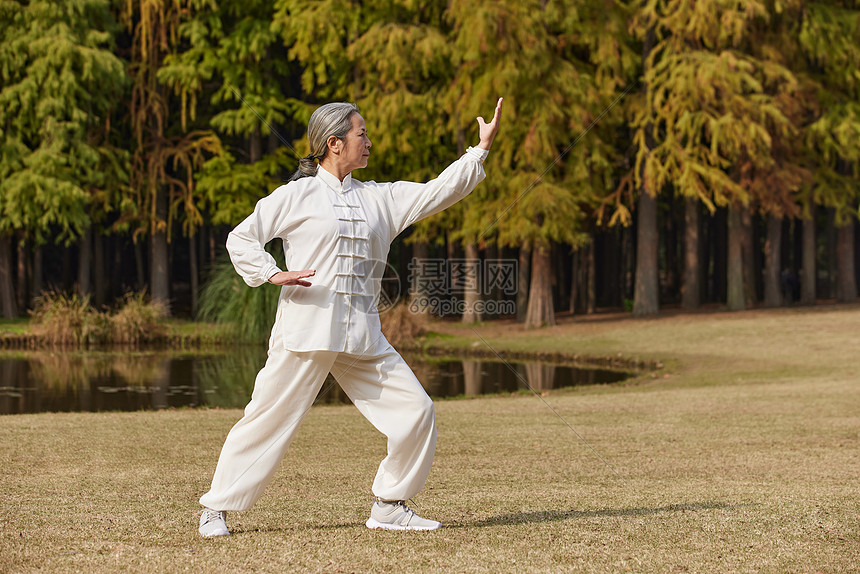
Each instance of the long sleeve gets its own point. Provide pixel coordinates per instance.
(411, 202)
(342, 229)
(246, 243)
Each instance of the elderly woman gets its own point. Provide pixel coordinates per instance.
(335, 230)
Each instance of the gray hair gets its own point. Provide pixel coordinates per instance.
(334, 119)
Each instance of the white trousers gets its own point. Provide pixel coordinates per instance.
(382, 387)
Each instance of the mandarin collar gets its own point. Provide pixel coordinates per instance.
(333, 182)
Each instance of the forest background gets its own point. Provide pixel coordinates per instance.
(653, 152)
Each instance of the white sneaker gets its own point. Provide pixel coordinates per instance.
(213, 523)
(395, 515)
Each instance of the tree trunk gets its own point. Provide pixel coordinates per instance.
(255, 145)
(735, 298)
(831, 253)
(719, 242)
(100, 276)
(558, 266)
(846, 288)
(574, 280)
(212, 252)
(591, 281)
(7, 286)
(138, 266)
(472, 294)
(85, 262)
(809, 273)
(195, 274)
(540, 310)
(38, 276)
(748, 256)
(704, 255)
(626, 264)
(419, 298)
(772, 259)
(611, 254)
(471, 378)
(672, 260)
(21, 291)
(647, 289)
(540, 376)
(491, 287)
(690, 289)
(116, 274)
(523, 279)
(159, 277)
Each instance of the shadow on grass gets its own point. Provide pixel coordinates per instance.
(559, 515)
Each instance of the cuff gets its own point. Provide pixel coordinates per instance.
(478, 153)
(267, 272)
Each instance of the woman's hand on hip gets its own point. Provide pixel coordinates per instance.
(292, 277)
(488, 131)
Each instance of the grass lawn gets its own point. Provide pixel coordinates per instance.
(18, 326)
(741, 455)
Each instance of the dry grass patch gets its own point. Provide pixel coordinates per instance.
(725, 467)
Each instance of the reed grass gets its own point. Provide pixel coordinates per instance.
(247, 313)
(401, 326)
(69, 320)
(138, 320)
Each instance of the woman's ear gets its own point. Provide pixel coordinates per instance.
(333, 144)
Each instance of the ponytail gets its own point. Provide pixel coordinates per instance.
(307, 167)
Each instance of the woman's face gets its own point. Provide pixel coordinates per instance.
(356, 146)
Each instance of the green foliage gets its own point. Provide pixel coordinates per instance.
(715, 115)
(230, 189)
(165, 153)
(232, 57)
(60, 81)
(550, 162)
(227, 299)
(176, 118)
(829, 42)
(317, 33)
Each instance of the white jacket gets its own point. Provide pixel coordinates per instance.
(343, 230)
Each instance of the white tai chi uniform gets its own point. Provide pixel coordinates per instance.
(343, 230)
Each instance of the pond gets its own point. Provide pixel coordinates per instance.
(35, 382)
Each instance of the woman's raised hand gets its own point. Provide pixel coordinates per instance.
(488, 131)
(292, 277)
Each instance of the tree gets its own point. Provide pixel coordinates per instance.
(710, 111)
(544, 58)
(232, 64)
(401, 59)
(165, 155)
(829, 39)
(60, 82)
(691, 287)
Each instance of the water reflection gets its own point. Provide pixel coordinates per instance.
(93, 381)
